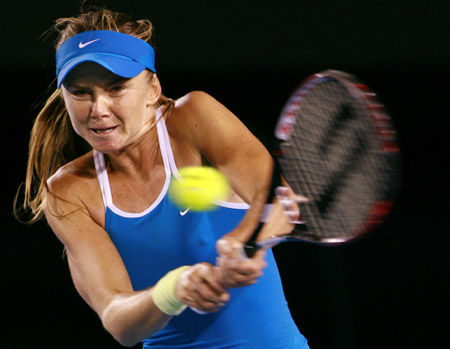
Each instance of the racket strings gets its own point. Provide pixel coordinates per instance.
(332, 159)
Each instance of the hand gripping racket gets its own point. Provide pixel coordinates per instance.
(336, 146)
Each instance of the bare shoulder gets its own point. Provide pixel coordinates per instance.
(196, 101)
(73, 175)
(198, 114)
(75, 186)
(201, 128)
(194, 108)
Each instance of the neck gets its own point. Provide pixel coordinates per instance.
(137, 159)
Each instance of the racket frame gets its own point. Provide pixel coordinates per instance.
(386, 135)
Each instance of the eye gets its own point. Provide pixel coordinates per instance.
(80, 93)
(117, 89)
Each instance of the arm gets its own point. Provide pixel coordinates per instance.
(219, 138)
(100, 276)
(214, 133)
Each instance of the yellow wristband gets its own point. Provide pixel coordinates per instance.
(164, 295)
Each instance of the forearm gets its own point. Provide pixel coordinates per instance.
(133, 317)
(252, 217)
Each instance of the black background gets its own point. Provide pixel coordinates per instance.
(388, 290)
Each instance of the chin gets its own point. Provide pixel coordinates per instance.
(105, 148)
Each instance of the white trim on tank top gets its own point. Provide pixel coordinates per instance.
(169, 166)
(176, 174)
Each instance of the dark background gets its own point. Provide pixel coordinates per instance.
(388, 290)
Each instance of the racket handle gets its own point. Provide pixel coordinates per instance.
(251, 247)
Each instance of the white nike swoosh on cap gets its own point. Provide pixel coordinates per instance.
(81, 45)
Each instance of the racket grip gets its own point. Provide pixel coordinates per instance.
(250, 248)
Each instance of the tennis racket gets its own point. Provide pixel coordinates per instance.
(336, 146)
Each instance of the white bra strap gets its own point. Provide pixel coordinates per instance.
(102, 176)
(166, 148)
(167, 153)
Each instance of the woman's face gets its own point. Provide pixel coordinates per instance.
(108, 111)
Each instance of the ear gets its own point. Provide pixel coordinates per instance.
(154, 91)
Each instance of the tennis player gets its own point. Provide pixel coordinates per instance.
(103, 151)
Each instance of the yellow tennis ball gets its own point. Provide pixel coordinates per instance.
(199, 188)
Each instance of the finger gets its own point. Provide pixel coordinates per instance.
(210, 286)
(206, 300)
(288, 193)
(237, 273)
(243, 267)
(207, 286)
(230, 248)
(207, 294)
(202, 308)
(213, 281)
(289, 204)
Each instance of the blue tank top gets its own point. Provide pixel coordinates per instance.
(162, 238)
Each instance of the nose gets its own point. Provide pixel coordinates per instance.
(100, 106)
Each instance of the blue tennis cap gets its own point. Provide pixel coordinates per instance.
(122, 54)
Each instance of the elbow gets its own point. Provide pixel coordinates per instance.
(127, 336)
(129, 331)
(118, 329)
(121, 335)
(124, 342)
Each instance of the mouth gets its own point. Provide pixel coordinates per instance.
(103, 130)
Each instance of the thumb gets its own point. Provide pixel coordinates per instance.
(230, 248)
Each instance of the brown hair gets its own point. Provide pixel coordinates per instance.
(53, 142)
